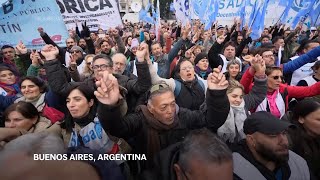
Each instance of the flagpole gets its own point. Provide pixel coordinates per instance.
(280, 16)
(315, 22)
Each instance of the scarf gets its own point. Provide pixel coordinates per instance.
(275, 103)
(232, 129)
(12, 89)
(202, 74)
(91, 136)
(39, 102)
(154, 126)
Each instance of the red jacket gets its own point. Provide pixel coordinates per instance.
(284, 89)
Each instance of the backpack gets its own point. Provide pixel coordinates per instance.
(178, 87)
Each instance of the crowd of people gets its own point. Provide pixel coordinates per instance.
(200, 104)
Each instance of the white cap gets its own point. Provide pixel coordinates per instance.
(313, 29)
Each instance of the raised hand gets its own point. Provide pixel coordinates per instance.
(21, 48)
(217, 80)
(248, 33)
(259, 65)
(40, 30)
(221, 39)
(73, 62)
(142, 51)
(50, 52)
(107, 89)
(85, 33)
(196, 37)
(35, 58)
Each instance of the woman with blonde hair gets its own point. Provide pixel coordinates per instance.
(87, 70)
(241, 104)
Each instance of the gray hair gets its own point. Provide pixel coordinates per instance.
(205, 146)
(36, 143)
(120, 56)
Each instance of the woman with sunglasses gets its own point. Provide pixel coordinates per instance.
(87, 69)
(277, 100)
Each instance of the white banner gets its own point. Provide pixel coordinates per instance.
(97, 13)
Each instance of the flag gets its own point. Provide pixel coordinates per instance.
(315, 14)
(303, 13)
(287, 4)
(253, 13)
(145, 16)
(257, 23)
(242, 12)
(158, 23)
(182, 10)
(211, 13)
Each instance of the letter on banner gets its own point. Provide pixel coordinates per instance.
(20, 20)
(97, 13)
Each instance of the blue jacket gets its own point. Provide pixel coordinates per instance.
(309, 57)
(165, 60)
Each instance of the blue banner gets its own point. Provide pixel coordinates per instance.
(20, 20)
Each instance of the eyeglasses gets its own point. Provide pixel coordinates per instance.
(88, 63)
(277, 77)
(187, 68)
(102, 67)
(268, 56)
(75, 51)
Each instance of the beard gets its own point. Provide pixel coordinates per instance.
(270, 155)
(83, 46)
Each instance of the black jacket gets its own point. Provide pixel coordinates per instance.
(244, 150)
(307, 147)
(191, 95)
(135, 124)
(164, 164)
(135, 87)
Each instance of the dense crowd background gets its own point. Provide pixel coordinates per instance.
(212, 104)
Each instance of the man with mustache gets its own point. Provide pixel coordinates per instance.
(264, 154)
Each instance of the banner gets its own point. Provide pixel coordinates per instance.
(20, 19)
(97, 13)
(229, 9)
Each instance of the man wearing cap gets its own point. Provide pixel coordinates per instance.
(264, 154)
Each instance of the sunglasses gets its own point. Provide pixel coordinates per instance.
(103, 67)
(277, 77)
(75, 51)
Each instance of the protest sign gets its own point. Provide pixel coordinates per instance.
(19, 20)
(99, 13)
(229, 9)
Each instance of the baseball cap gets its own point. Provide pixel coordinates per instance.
(220, 27)
(76, 48)
(313, 29)
(265, 123)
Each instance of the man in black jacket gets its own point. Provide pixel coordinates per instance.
(199, 156)
(101, 63)
(161, 122)
(265, 154)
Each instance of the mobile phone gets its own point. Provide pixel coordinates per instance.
(34, 50)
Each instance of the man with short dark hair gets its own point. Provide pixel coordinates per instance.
(265, 154)
(200, 155)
